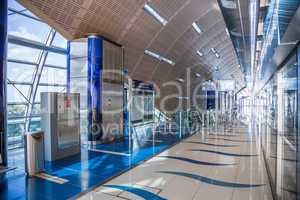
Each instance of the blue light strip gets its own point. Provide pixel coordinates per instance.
(95, 48)
(3, 96)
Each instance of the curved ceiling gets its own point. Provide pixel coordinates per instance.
(127, 23)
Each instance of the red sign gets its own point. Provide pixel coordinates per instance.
(68, 102)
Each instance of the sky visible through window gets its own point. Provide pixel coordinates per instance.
(23, 63)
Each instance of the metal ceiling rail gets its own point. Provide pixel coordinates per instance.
(34, 44)
(21, 12)
(19, 83)
(21, 62)
(35, 64)
(13, 84)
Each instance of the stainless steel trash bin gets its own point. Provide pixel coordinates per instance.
(34, 152)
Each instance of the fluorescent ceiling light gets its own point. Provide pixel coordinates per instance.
(227, 31)
(152, 54)
(198, 75)
(167, 60)
(159, 57)
(180, 97)
(197, 28)
(200, 53)
(213, 50)
(180, 80)
(155, 14)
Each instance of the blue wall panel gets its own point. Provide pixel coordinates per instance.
(3, 52)
(211, 99)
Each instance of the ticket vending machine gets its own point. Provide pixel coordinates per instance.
(61, 124)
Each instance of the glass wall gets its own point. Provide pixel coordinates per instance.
(25, 64)
(142, 106)
(269, 137)
(280, 129)
(287, 130)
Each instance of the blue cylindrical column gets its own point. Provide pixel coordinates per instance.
(95, 58)
(68, 66)
(125, 109)
(3, 52)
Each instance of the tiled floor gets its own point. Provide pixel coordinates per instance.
(83, 171)
(216, 165)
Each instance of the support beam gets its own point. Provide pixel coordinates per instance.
(22, 12)
(36, 45)
(36, 81)
(3, 96)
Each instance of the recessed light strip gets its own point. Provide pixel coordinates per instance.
(166, 60)
(155, 14)
(159, 57)
(227, 31)
(197, 27)
(152, 54)
(181, 97)
(199, 53)
(215, 52)
(180, 80)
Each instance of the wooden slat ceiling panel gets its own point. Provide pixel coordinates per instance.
(146, 66)
(125, 22)
(167, 8)
(161, 71)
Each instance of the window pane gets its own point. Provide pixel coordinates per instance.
(16, 110)
(35, 124)
(13, 95)
(22, 53)
(59, 41)
(20, 72)
(36, 109)
(15, 130)
(54, 76)
(56, 59)
(15, 5)
(28, 28)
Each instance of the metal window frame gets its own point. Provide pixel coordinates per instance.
(37, 77)
(45, 48)
(21, 12)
